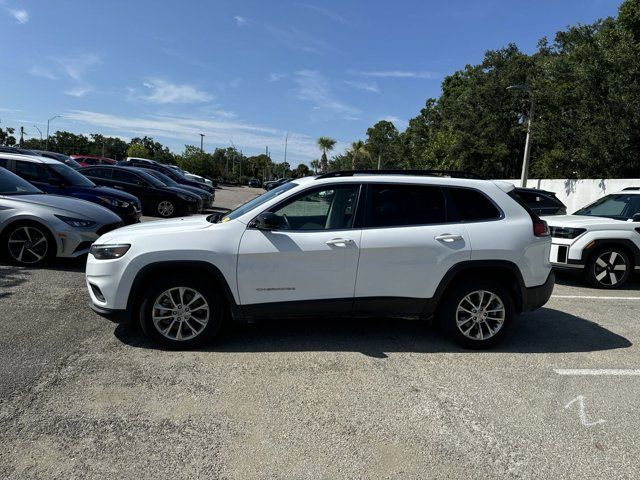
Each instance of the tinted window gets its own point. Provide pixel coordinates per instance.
(3, 162)
(256, 202)
(71, 176)
(404, 205)
(473, 206)
(32, 171)
(128, 177)
(535, 200)
(98, 172)
(330, 208)
(11, 184)
(88, 161)
(621, 206)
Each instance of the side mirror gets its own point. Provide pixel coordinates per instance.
(56, 182)
(266, 221)
(636, 217)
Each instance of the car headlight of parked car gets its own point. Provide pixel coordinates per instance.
(76, 222)
(114, 202)
(566, 232)
(109, 252)
(187, 198)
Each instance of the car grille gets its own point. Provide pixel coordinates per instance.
(107, 228)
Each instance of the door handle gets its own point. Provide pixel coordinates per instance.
(118, 187)
(448, 237)
(339, 242)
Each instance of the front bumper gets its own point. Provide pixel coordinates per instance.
(117, 316)
(535, 297)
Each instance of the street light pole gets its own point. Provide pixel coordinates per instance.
(202, 142)
(40, 132)
(527, 144)
(48, 121)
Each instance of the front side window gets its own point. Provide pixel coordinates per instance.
(128, 177)
(256, 202)
(330, 208)
(620, 206)
(33, 172)
(400, 205)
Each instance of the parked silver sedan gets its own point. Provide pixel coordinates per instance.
(35, 226)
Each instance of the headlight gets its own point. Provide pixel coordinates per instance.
(76, 222)
(109, 252)
(566, 232)
(114, 202)
(187, 198)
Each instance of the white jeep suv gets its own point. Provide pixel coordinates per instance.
(341, 244)
(601, 240)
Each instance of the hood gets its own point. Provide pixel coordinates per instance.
(112, 192)
(72, 207)
(580, 221)
(157, 227)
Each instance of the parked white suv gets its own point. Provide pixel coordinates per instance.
(601, 240)
(340, 244)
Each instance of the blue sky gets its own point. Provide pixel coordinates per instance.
(247, 72)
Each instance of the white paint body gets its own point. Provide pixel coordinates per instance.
(288, 265)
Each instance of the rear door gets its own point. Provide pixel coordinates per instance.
(408, 244)
(311, 257)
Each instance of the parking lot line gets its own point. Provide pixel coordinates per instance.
(594, 297)
(624, 372)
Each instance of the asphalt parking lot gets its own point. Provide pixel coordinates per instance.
(81, 397)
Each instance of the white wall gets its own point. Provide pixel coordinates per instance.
(577, 193)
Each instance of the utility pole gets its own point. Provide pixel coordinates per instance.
(202, 143)
(46, 147)
(21, 137)
(40, 132)
(527, 144)
(379, 158)
(286, 141)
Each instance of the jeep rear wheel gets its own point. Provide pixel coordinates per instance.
(608, 267)
(181, 312)
(477, 313)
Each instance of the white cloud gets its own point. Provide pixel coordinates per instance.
(398, 122)
(163, 92)
(39, 71)
(313, 87)
(395, 74)
(76, 66)
(366, 86)
(79, 91)
(241, 21)
(327, 13)
(22, 16)
(218, 131)
(275, 77)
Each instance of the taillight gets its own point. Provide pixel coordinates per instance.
(540, 228)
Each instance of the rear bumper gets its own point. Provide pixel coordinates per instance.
(535, 297)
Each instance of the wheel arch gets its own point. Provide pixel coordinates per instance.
(145, 276)
(29, 220)
(502, 271)
(629, 247)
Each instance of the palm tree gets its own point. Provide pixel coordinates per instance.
(325, 144)
(315, 164)
(358, 149)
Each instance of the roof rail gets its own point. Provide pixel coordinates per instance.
(631, 188)
(419, 173)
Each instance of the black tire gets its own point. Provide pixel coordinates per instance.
(43, 235)
(482, 327)
(609, 267)
(183, 320)
(166, 209)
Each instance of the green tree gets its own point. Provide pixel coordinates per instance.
(137, 150)
(382, 143)
(325, 144)
(358, 150)
(315, 165)
(301, 171)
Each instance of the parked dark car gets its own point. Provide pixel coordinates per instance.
(276, 183)
(66, 159)
(88, 160)
(175, 174)
(207, 198)
(254, 182)
(158, 199)
(541, 202)
(51, 176)
(18, 150)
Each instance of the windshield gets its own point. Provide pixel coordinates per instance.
(163, 178)
(256, 202)
(70, 176)
(621, 206)
(11, 184)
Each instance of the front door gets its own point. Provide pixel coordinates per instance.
(311, 257)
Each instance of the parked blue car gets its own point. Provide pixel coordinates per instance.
(51, 176)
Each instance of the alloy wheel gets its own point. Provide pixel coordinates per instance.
(480, 315)
(610, 268)
(180, 313)
(165, 208)
(28, 245)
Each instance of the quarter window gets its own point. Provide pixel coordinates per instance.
(406, 205)
(473, 206)
(322, 209)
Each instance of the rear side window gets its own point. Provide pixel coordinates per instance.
(472, 205)
(405, 205)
